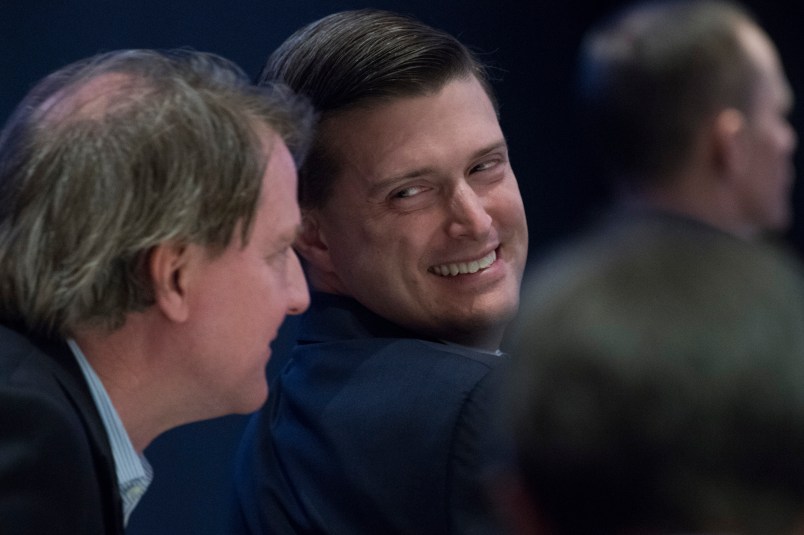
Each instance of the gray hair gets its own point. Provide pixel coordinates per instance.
(169, 151)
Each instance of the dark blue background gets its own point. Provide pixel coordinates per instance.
(531, 44)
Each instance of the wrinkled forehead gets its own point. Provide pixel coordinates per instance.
(89, 99)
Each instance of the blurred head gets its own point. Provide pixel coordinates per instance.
(114, 155)
(660, 82)
(408, 197)
(657, 386)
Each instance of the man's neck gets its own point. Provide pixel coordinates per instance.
(716, 209)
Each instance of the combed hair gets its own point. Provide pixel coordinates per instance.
(168, 151)
(356, 59)
(652, 74)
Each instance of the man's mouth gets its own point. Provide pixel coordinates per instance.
(463, 268)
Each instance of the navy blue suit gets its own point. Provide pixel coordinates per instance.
(57, 473)
(369, 430)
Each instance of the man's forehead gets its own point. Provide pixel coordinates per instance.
(763, 53)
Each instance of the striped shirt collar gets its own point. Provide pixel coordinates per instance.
(134, 473)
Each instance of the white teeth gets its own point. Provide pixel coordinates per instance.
(450, 270)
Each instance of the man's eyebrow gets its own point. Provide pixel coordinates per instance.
(385, 183)
(497, 145)
(286, 237)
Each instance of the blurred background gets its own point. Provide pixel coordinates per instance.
(531, 46)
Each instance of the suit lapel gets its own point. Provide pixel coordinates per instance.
(69, 376)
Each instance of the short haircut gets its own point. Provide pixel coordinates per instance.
(91, 181)
(658, 383)
(359, 58)
(652, 74)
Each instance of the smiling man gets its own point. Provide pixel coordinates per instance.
(414, 240)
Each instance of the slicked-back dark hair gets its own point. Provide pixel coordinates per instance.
(358, 58)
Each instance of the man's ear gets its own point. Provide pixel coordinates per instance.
(168, 265)
(311, 243)
(729, 142)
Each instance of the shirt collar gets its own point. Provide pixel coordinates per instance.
(134, 473)
(495, 352)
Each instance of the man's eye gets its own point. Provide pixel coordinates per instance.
(408, 192)
(485, 166)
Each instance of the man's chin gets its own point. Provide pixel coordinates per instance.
(482, 330)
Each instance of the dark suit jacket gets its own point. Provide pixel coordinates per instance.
(369, 430)
(57, 473)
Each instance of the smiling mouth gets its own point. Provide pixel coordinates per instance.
(464, 268)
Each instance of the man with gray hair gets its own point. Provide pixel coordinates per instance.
(147, 210)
